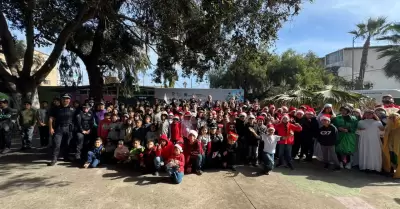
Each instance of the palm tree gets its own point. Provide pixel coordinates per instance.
(367, 31)
(392, 66)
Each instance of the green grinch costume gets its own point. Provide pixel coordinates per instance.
(346, 143)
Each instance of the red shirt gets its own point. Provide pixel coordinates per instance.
(103, 129)
(181, 159)
(282, 131)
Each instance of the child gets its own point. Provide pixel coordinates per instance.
(121, 153)
(149, 155)
(151, 135)
(176, 165)
(164, 151)
(126, 131)
(269, 140)
(104, 126)
(176, 129)
(204, 138)
(193, 153)
(327, 136)
(214, 148)
(139, 131)
(136, 153)
(114, 129)
(93, 159)
(229, 151)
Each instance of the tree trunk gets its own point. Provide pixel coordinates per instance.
(364, 60)
(96, 82)
(26, 91)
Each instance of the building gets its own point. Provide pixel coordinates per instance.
(343, 60)
(52, 79)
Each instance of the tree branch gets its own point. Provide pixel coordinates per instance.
(6, 76)
(8, 46)
(30, 45)
(83, 15)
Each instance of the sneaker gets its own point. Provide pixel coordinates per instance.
(52, 163)
(5, 151)
(348, 166)
(341, 165)
(326, 166)
(86, 165)
(156, 173)
(199, 172)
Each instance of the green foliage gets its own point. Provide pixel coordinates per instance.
(392, 66)
(270, 74)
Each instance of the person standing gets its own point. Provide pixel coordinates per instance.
(43, 120)
(62, 129)
(26, 123)
(327, 138)
(84, 136)
(5, 126)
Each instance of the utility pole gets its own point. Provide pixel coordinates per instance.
(352, 65)
(191, 82)
(184, 84)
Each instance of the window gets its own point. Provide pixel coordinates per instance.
(47, 82)
(334, 58)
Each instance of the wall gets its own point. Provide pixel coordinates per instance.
(374, 72)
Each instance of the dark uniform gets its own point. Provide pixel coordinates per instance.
(5, 128)
(84, 122)
(64, 118)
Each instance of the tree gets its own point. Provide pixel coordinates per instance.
(371, 29)
(29, 16)
(392, 67)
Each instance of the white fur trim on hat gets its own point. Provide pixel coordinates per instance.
(328, 105)
(179, 147)
(286, 116)
(325, 118)
(243, 114)
(300, 112)
(252, 116)
(193, 132)
(175, 117)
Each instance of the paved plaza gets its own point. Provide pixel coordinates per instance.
(26, 182)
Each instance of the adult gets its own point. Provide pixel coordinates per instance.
(84, 136)
(43, 123)
(347, 127)
(388, 102)
(5, 126)
(370, 146)
(62, 129)
(209, 104)
(391, 145)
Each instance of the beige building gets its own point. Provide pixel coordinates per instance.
(374, 73)
(52, 79)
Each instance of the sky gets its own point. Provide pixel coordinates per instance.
(321, 27)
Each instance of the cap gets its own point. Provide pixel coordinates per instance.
(193, 132)
(66, 96)
(179, 147)
(270, 126)
(233, 136)
(213, 126)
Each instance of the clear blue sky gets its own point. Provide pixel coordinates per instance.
(321, 27)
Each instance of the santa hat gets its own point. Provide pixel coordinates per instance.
(327, 106)
(270, 126)
(170, 114)
(301, 112)
(164, 113)
(176, 117)
(325, 117)
(264, 114)
(213, 112)
(291, 109)
(260, 117)
(286, 116)
(179, 147)
(194, 133)
(284, 108)
(243, 114)
(310, 111)
(220, 125)
(251, 116)
(188, 114)
(232, 113)
(272, 106)
(232, 136)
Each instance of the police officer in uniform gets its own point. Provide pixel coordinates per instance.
(63, 118)
(5, 126)
(84, 125)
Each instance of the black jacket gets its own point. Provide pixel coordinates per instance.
(327, 136)
(310, 128)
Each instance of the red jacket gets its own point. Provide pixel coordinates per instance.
(148, 157)
(167, 151)
(280, 129)
(181, 159)
(176, 131)
(103, 129)
(192, 150)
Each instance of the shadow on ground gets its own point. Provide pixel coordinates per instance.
(397, 200)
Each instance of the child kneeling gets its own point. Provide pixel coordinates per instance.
(270, 140)
(176, 165)
(93, 159)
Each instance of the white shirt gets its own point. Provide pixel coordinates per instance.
(270, 142)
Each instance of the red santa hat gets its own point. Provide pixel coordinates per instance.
(179, 147)
(243, 114)
(176, 117)
(291, 109)
(188, 114)
(233, 136)
(285, 109)
(164, 137)
(286, 116)
(270, 126)
(325, 117)
(301, 112)
(170, 114)
(260, 117)
(272, 106)
(194, 133)
(310, 111)
(213, 112)
(264, 114)
(220, 125)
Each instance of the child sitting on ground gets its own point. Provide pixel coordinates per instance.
(229, 148)
(93, 159)
(147, 162)
(176, 165)
(121, 153)
(136, 153)
(270, 140)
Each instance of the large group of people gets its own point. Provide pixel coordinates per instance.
(190, 136)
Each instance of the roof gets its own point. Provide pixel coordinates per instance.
(371, 47)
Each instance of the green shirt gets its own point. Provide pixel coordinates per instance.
(27, 117)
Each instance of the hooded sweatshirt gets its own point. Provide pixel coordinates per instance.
(327, 136)
(167, 151)
(176, 130)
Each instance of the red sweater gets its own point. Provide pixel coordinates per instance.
(166, 152)
(181, 159)
(103, 129)
(280, 129)
(176, 131)
(192, 150)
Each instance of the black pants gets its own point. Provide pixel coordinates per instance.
(307, 148)
(61, 138)
(296, 146)
(44, 135)
(230, 159)
(5, 135)
(83, 141)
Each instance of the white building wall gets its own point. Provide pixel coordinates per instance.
(374, 71)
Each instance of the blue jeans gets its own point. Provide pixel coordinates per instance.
(197, 161)
(157, 162)
(175, 175)
(92, 159)
(27, 133)
(268, 161)
(285, 151)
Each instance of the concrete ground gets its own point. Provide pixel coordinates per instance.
(26, 182)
